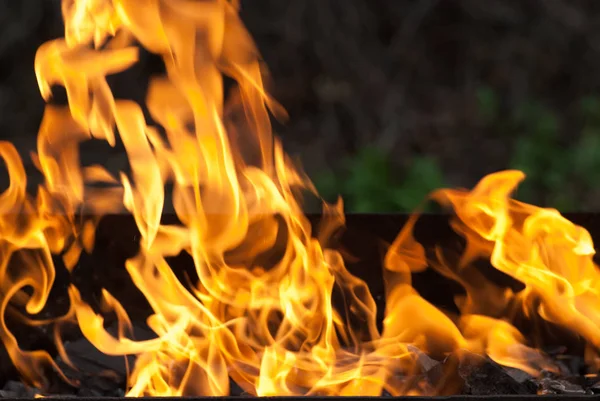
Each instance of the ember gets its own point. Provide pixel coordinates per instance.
(241, 292)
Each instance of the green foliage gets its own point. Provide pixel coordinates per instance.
(560, 170)
(369, 183)
(489, 104)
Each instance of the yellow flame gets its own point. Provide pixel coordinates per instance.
(270, 324)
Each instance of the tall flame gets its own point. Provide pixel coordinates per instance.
(270, 324)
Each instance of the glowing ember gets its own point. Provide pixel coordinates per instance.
(273, 328)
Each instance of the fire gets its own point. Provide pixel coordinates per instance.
(271, 325)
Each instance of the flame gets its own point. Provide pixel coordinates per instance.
(271, 325)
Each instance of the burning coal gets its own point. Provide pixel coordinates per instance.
(270, 324)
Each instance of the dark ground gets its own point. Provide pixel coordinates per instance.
(469, 86)
(461, 372)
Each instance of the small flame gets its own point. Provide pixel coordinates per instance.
(269, 324)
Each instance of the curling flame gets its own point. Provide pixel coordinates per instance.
(551, 256)
(271, 324)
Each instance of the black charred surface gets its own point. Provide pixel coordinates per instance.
(482, 376)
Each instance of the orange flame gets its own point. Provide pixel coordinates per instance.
(271, 325)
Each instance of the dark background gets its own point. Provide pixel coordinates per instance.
(389, 99)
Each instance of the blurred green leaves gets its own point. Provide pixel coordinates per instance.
(488, 104)
(560, 169)
(563, 169)
(370, 183)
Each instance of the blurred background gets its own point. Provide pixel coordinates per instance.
(390, 99)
